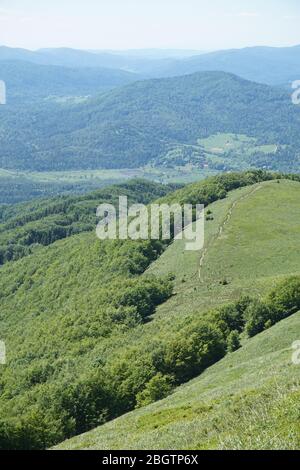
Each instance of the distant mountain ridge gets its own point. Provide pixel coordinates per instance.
(134, 125)
(67, 57)
(30, 81)
(270, 65)
(274, 66)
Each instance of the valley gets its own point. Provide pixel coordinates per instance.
(120, 344)
(157, 122)
(31, 185)
(252, 391)
(105, 323)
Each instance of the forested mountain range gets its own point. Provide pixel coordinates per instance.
(139, 63)
(28, 82)
(270, 65)
(143, 122)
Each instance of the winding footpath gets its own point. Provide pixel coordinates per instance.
(222, 228)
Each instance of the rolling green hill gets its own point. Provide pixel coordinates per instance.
(26, 227)
(149, 121)
(27, 82)
(94, 329)
(270, 65)
(17, 186)
(248, 400)
(21, 186)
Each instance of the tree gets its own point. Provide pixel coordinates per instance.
(257, 315)
(159, 387)
(233, 341)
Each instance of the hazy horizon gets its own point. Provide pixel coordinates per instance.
(140, 24)
(148, 49)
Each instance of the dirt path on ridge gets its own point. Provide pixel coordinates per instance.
(222, 228)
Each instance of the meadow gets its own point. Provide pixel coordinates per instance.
(249, 400)
(107, 327)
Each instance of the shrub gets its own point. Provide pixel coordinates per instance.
(279, 304)
(285, 299)
(229, 318)
(195, 349)
(145, 295)
(233, 341)
(159, 387)
(257, 316)
(87, 402)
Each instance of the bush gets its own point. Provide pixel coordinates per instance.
(87, 402)
(33, 431)
(257, 316)
(233, 341)
(145, 295)
(159, 387)
(279, 304)
(285, 299)
(195, 349)
(229, 318)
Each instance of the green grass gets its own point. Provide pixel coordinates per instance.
(59, 321)
(258, 246)
(232, 151)
(221, 144)
(220, 151)
(251, 398)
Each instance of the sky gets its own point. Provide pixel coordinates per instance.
(136, 24)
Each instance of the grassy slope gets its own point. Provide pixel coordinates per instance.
(253, 250)
(248, 400)
(239, 253)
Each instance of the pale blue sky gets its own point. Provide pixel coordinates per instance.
(122, 24)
